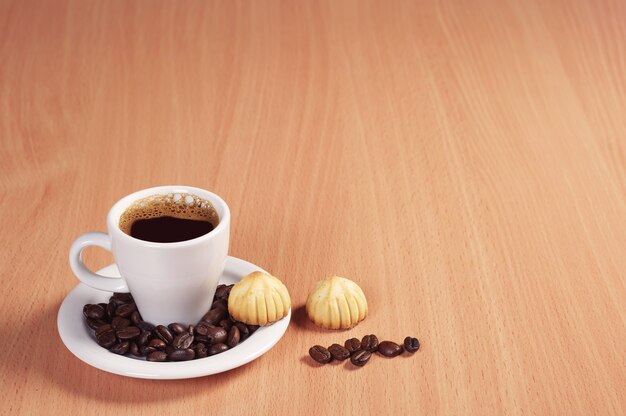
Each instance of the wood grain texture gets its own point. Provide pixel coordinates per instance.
(465, 162)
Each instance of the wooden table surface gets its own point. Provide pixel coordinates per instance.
(464, 162)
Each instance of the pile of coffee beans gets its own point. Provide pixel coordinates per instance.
(119, 328)
(361, 351)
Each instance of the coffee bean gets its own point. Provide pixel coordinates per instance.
(121, 348)
(223, 291)
(182, 355)
(107, 339)
(123, 297)
(177, 328)
(95, 323)
(220, 304)
(201, 350)
(134, 349)
(320, 354)
(169, 349)
(252, 328)
(111, 306)
(389, 349)
(96, 312)
(338, 352)
(353, 345)
(369, 343)
(203, 339)
(143, 338)
(226, 324)
(129, 332)
(411, 344)
(145, 326)
(85, 309)
(135, 317)
(244, 332)
(216, 335)
(157, 356)
(360, 358)
(191, 329)
(103, 328)
(202, 328)
(118, 322)
(164, 333)
(145, 350)
(183, 340)
(233, 337)
(213, 316)
(217, 348)
(157, 344)
(125, 310)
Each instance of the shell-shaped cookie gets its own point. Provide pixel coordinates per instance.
(336, 303)
(259, 299)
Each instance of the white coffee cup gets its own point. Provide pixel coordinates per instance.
(170, 282)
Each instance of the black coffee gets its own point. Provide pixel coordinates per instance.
(169, 229)
(169, 218)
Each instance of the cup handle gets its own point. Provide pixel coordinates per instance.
(97, 281)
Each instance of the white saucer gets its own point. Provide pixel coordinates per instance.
(80, 340)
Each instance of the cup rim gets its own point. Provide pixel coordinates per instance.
(120, 206)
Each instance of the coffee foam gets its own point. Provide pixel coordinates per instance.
(178, 205)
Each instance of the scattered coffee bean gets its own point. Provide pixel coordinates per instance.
(145, 350)
(360, 358)
(111, 306)
(134, 349)
(244, 332)
(411, 344)
(338, 352)
(213, 316)
(320, 354)
(216, 335)
(157, 344)
(233, 337)
(181, 355)
(353, 345)
(164, 333)
(169, 349)
(118, 322)
(145, 326)
(123, 297)
(95, 323)
(252, 328)
(157, 356)
(135, 317)
(143, 338)
(226, 324)
(202, 339)
(96, 312)
(217, 348)
(220, 304)
(129, 332)
(103, 328)
(177, 328)
(125, 310)
(223, 291)
(389, 349)
(201, 350)
(183, 340)
(202, 328)
(369, 343)
(107, 339)
(191, 329)
(121, 348)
